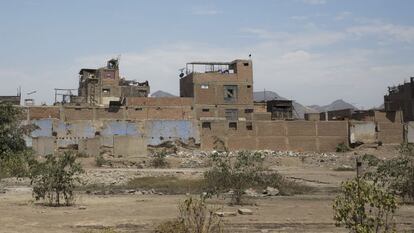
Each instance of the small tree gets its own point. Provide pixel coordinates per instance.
(54, 179)
(234, 173)
(396, 174)
(364, 207)
(14, 155)
(194, 217)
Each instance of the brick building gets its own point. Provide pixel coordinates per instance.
(401, 97)
(221, 90)
(103, 85)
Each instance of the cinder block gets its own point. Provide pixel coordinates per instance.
(302, 143)
(301, 128)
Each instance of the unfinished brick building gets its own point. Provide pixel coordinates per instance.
(401, 97)
(103, 85)
(216, 102)
(222, 89)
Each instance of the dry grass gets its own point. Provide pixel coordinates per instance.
(168, 185)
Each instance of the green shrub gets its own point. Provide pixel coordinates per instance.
(364, 207)
(236, 173)
(371, 160)
(244, 170)
(54, 179)
(286, 187)
(15, 157)
(342, 147)
(397, 174)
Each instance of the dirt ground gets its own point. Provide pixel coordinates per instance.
(140, 213)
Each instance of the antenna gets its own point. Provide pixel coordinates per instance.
(30, 93)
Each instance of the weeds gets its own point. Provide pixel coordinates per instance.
(159, 160)
(101, 161)
(194, 217)
(342, 147)
(168, 185)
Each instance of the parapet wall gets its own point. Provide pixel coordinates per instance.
(147, 112)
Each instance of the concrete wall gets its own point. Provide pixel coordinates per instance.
(362, 132)
(130, 146)
(312, 116)
(126, 138)
(44, 145)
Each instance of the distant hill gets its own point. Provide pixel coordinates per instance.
(299, 109)
(259, 96)
(162, 94)
(336, 105)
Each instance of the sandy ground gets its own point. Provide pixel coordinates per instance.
(140, 213)
(128, 213)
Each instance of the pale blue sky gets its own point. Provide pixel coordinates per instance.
(313, 51)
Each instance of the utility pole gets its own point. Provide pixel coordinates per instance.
(358, 174)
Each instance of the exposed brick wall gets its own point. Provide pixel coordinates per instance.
(43, 112)
(277, 143)
(390, 132)
(73, 114)
(159, 101)
(301, 128)
(332, 128)
(278, 135)
(302, 143)
(105, 113)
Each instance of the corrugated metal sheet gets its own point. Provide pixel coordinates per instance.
(159, 131)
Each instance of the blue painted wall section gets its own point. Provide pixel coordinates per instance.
(122, 128)
(45, 128)
(159, 131)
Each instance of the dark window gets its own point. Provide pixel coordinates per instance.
(249, 86)
(233, 125)
(206, 110)
(249, 126)
(138, 109)
(248, 110)
(106, 90)
(231, 114)
(206, 125)
(230, 93)
(246, 64)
